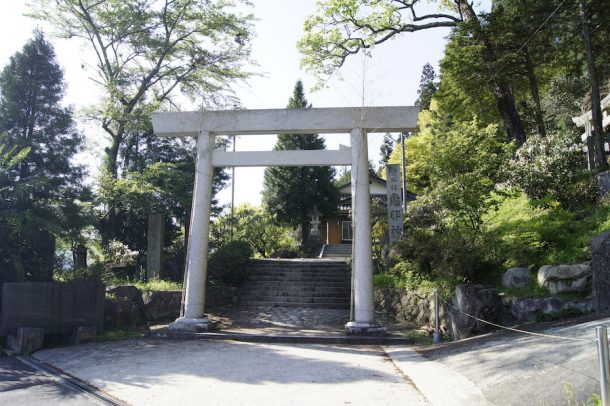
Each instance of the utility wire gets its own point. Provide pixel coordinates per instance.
(541, 25)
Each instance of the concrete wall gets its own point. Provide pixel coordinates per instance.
(55, 307)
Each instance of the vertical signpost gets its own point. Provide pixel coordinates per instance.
(395, 203)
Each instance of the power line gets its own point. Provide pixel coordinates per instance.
(541, 25)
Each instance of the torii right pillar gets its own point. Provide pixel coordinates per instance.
(363, 311)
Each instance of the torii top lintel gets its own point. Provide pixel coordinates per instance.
(288, 121)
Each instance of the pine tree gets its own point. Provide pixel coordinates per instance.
(292, 192)
(427, 87)
(31, 116)
(386, 150)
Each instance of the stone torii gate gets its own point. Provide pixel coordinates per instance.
(206, 125)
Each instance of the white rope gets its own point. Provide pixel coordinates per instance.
(521, 331)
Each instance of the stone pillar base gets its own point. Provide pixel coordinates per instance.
(84, 334)
(26, 341)
(200, 325)
(353, 328)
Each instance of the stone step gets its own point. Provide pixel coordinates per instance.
(253, 303)
(296, 278)
(294, 296)
(299, 270)
(283, 285)
(295, 299)
(283, 274)
(287, 265)
(321, 274)
(298, 281)
(287, 290)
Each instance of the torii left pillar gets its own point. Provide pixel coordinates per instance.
(197, 265)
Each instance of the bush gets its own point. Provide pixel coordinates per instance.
(553, 169)
(255, 226)
(433, 247)
(525, 235)
(228, 264)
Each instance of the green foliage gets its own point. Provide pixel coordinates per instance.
(148, 50)
(256, 227)
(386, 150)
(466, 168)
(343, 28)
(593, 400)
(93, 273)
(292, 193)
(553, 169)
(41, 187)
(118, 334)
(523, 235)
(427, 87)
(400, 278)
(443, 227)
(418, 150)
(154, 285)
(228, 264)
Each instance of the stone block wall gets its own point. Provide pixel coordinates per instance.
(410, 306)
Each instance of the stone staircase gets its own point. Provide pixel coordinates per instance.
(308, 283)
(337, 251)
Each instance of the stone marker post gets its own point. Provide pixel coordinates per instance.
(394, 203)
(154, 256)
(600, 265)
(80, 257)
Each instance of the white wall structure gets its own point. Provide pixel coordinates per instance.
(205, 125)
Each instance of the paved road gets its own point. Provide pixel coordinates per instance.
(22, 385)
(166, 372)
(499, 369)
(509, 368)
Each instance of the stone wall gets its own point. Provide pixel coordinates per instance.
(417, 308)
(127, 306)
(410, 307)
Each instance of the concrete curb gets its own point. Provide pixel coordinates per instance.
(440, 385)
(281, 339)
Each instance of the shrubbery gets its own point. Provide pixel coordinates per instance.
(256, 227)
(228, 264)
(553, 169)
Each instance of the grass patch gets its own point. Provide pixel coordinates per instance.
(407, 281)
(420, 337)
(524, 235)
(150, 286)
(118, 334)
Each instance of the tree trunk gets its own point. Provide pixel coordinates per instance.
(304, 232)
(510, 116)
(501, 89)
(531, 75)
(109, 229)
(596, 111)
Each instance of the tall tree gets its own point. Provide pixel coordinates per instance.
(427, 87)
(291, 193)
(148, 50)
(385, 150)
(341, 29)
(32, 117)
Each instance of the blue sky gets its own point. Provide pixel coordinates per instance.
(389, 78)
